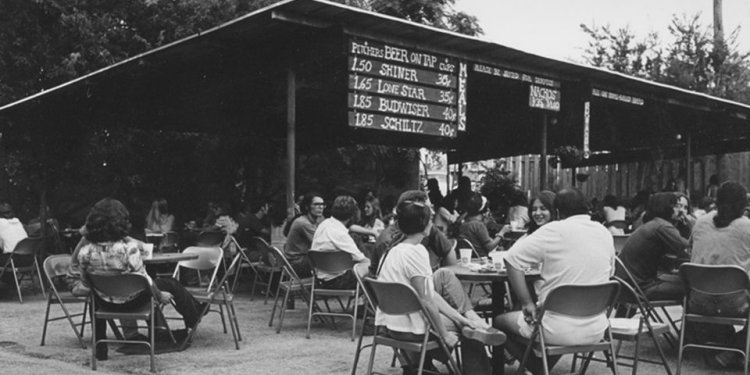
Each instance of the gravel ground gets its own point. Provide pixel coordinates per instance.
(262, 350)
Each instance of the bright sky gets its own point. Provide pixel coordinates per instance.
(551, 27)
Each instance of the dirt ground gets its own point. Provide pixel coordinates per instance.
(262, 350)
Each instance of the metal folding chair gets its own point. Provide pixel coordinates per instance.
(264, 270)
(219, 293)
(210, 261)
(56, 266)
(574, 301)
(290, 283)
(651, 306)
(24, 265)
(332, 262)
(715, 286)
(400, 299)
(124, 285)
(632, 329)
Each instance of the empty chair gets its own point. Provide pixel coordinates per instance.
(220, 293)
(124, 285)
(23, 264)
(577, 301)
(266, 268)
(56, 266)
(332, 262)
(400, 299)
(718, 295)
(209, 290)
(290, 283)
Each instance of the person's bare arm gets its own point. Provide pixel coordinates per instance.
(517, 280)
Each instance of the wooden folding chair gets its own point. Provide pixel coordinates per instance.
(56, 266)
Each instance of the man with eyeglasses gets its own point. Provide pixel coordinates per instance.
(301, 231)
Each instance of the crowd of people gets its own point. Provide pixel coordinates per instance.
(570, 236)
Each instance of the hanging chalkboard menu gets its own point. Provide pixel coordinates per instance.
(404, 90)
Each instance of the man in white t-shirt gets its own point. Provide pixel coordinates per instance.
(332, 234)
(573, 250)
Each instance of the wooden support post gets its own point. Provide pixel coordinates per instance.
(689, 164)
(291, 154)
(543, 162)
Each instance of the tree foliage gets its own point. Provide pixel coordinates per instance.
(691, 59)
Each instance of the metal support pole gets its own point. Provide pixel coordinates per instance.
(291, 154)
(543, 162)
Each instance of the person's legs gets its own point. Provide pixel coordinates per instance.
(668, 287)
(185, 303)
(450, 288)
(513, 324)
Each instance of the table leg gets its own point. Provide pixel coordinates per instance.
(498, 307)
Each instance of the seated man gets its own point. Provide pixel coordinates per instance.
(108, 249)
(573, 250)
(11, 233)
(407, 262)
(300, 231)
(333, 235)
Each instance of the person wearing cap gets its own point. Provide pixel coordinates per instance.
(332, 234)
(11, 231)
(473, 228)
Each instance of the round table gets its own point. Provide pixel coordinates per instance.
(497, 280)
(162, 258)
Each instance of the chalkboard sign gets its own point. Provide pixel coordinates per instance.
(544, 98)
(404, 90)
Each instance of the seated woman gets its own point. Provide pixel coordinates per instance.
(473, 228)
(685, 219)
(723, 237)
(407, 262)
(108, 249)
(371, 224)
(647, 247)
(159, 220)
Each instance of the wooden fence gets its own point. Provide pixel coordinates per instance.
(625, 180)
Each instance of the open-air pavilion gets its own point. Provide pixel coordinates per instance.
(306, 74)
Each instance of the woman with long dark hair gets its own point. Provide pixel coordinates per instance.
(109, 249)
(650, 243)
(722, 237)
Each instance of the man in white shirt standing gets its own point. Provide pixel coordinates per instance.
(333, 235)
(573, 250)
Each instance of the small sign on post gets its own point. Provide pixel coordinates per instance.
(544, 98)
